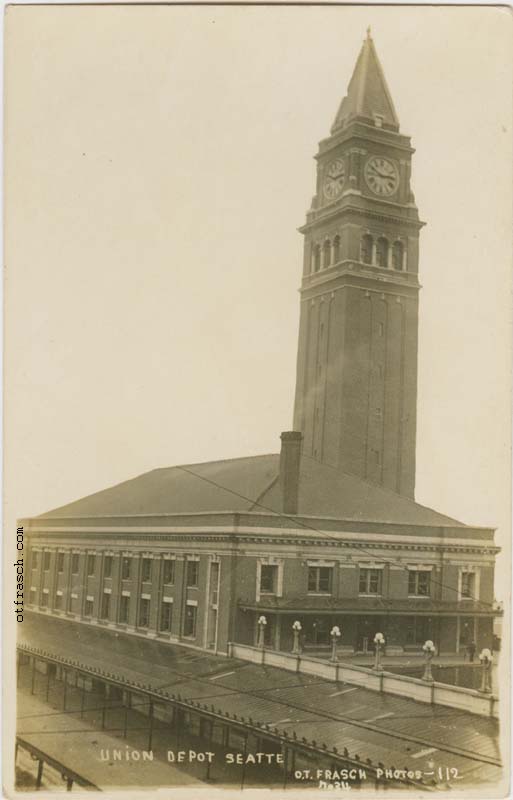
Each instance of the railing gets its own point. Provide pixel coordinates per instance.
(237, 722)
(68, 775)
(433, 692)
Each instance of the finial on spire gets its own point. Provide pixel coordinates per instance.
(368, 32)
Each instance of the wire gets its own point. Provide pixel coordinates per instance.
(297, 521)
(440, 713)
(325, 718)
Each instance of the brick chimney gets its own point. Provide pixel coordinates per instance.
(289, 469)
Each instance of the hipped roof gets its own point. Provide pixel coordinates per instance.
(252, 484)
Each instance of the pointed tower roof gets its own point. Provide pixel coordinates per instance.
(367, 94)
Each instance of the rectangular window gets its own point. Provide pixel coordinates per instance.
(58, 601)
(126, 565)
(192, 573)
(124, 606)
(214, 583)
(166, 616)
(107, 567)
(74, 563)
(146, 569)
(91, 560)
(320, 579)
(268, 578)
(35, 559)
(424, 583)
(189, 628)
(88, 608)
(169, 571)
(144, 613)
(419, 582)
(370, 581)
(33, 596)
(60, 562)
(105, 609)
(46, 561)
(467, 584)
(44, 599)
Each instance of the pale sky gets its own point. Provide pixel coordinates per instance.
(158, 165)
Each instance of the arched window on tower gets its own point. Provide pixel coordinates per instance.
(366, 254)
(382, 252)
(397, 255)
(316, 258)
(326, 261)
(336, 249)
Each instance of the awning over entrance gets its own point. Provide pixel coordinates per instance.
(369, 605)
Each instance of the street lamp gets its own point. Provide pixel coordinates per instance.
(296, 628)
(486, 660)
(379, 641)
(429, 651)
(262, 622)
(335, 636)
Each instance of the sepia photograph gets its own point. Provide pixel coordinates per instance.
(257, 399)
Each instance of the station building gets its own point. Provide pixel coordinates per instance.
(326, 531)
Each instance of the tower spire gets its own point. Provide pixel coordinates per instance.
(356, 385)
(368, 96)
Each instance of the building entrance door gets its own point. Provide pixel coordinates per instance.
(317, 631)
(466, 633)
(320, 631)
(417, 631)
(366, 630)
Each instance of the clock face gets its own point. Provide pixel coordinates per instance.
(334, 179)
(381, 176)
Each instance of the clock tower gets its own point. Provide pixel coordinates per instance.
(356, 388)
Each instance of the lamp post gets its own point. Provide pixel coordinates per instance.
(429, 652)
(486, 660)
(296, 629)
(335, 636)
(262, 622)
(379, 641)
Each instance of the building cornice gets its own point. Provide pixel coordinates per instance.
(231, 520)
(236, 538)
(350, 272)
(363, 133)
(318, 217)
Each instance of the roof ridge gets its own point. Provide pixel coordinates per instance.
(219, 461)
